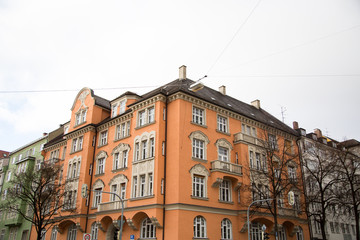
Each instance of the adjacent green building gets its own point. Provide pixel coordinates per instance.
(26, 158)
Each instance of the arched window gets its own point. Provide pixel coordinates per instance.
(148, 229)
(299, 234)
(94, 231)
(226, 229)
(72, 232)
(199, 227)
(255, 231)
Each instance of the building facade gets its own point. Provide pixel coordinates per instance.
(26, 158)
(321, 152)
(179, 156)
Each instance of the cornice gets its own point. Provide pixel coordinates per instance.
(228, 113)
(79, 132)
(115, 121)
(56, 145)
(152, 100)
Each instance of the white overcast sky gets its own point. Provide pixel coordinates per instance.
(302, 56)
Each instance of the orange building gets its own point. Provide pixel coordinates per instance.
(179, 158)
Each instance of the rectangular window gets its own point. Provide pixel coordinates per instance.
(135, 186)
(223, 154)
(103, 138)
(123, 191)
(142, 185)
(198, 149)
(122, 106)
(273, 142)
(101, 162)
(64, 152)
(123, 130)
(114, 110)
(80, 143)
(151, 115)
(137, 151)
(248, 130)
(198, 116)
(264, 163)
(116, 161)
(113, 190)
(144, 149)
(222, 124)
(150, 190)
(288, 147)
(198, 186)
(118, 132)
(124, 160)
(258, 163)
(292, 173)
(152, 147)
(74, 145)
(251, 156)
(142, 118)
(97, 196)
(332, 229)
(225, 191)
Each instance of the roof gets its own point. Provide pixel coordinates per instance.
(224, 101)
(102, 102)
(127, 93)
(350, 143)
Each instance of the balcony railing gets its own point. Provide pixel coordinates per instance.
(109, 206)
(227, 167)
(241, 137)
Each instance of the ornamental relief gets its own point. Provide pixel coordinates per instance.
(121, 147)
(223, 143)
(120, 178)
(82, 98)
(143, 167)
(199, 169)
(101, 154)
(199, 135)
(98, 184)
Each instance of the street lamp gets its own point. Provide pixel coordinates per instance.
(84, 190)
(248, 210)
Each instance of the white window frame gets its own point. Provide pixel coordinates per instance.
(198, 115)
(103, 138)
(142, 190)
(198, 149)
(199, 227)
(148, 229)
(223, 154)
(199, 186)
(222, 124)
(100, 165)
(226, 229)
(122, 106)
(72, 232)
(97, 197)
(94, 231)
(225, 191)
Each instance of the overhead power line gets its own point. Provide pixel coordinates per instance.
(232, 39)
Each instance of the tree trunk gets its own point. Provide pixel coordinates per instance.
(275, 219)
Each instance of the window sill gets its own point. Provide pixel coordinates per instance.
(225, 133)
(198, 124)
(143, 160)
(75, 151)
(195, 238)
(99, 174)
(77, 125)
(199, 160)
(99, 146)
(121, 138)
(226, 202)
(119, 169)
(141, 198)
(72, 179)
(200, 198)
(145, 125)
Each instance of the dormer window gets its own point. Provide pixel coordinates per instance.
(80, 117)
(114, 110)
(122, 107)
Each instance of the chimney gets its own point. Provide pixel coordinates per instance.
(44, 134)
(222, 90)
(318, 133)
(295, 125)
(182, 72)
(256, 103)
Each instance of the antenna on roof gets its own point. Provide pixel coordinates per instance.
(283, 110)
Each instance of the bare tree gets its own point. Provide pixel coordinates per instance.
(35, 195)
(321, 176)
(348, 193)
(273, 174)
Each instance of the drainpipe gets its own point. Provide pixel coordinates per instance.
(91, 177)
(165, 153)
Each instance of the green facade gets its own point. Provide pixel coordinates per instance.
(26, 158)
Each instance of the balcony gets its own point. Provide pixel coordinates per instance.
(15, 220)
(109, 206)
(241, 137)
(25, 159)
(226, 167)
